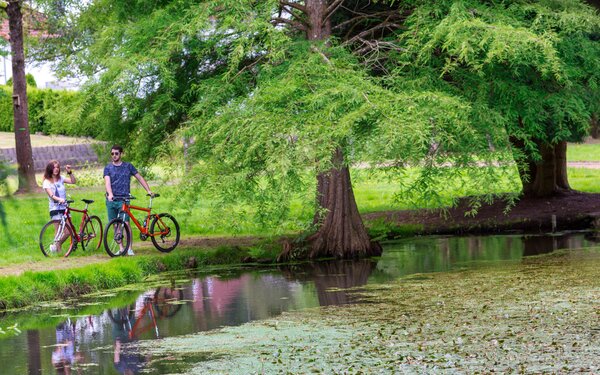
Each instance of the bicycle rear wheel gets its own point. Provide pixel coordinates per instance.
(117, 237)
(164, 232)
(91, 238)
(56, 239)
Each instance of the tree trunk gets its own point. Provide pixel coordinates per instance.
(341, 233)
(595, 126)
(544, 183)
(527, 168)
(560, 157)
(26, 172)
(319, 25)
(547, 176)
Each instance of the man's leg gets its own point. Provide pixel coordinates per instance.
(113, 209)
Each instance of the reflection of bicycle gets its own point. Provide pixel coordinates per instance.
(135, 322)
(60, 238)
(162, 229)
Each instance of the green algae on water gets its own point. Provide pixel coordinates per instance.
(539, 315)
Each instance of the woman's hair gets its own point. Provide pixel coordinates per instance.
(50, 169)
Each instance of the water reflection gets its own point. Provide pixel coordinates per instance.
(89, 340)
(132, 321)
(333, 279)
(65, 355)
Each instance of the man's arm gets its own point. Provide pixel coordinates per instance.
(143, 182)
(108, 188)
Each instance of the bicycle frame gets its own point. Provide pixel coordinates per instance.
(126, 209)
(66, 220)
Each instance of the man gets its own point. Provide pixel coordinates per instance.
(117, 180)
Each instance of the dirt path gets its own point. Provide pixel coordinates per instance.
(102, 257)
(584, 164)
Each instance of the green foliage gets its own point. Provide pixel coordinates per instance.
(266, 109)
(50, 112)
(29, 78)
(536, 64)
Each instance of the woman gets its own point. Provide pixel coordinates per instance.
(54, 185)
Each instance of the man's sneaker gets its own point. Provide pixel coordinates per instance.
(130, 252)
(52, 248)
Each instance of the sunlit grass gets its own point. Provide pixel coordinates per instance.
(24, 216)
(583, 152)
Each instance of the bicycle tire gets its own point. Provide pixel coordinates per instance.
(116, 234)
(48, 237)
(92, 235)
(165, 223)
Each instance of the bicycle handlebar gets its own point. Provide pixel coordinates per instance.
(131, 197)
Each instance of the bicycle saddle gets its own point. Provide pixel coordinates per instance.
(88, 201)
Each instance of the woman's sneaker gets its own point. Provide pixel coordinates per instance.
(130, 252)
(52, 248)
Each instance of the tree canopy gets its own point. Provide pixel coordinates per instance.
(271, 91)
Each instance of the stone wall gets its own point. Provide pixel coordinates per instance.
(76, 155)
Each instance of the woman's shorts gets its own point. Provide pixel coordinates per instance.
(56, 214)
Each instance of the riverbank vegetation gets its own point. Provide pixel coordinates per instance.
(34, 287)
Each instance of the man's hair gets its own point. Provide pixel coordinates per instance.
(118, 148)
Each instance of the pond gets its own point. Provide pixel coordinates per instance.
(100, 335)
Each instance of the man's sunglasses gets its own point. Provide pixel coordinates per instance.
(115, 153)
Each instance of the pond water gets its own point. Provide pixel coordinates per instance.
(93, 338)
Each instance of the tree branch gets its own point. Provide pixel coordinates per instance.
(300, 7)
(332, 8)
(390, 14)
(372, 30)
(295, 24)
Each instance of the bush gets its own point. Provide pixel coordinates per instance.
(50, 112)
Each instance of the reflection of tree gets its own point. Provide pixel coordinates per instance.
(34, 361)
(332, 278)
(535, 245)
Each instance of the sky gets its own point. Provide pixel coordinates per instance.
(42, 74)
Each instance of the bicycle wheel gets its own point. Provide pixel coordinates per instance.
(56, 239)
(164, 232)
(91, 238)
(117, 237)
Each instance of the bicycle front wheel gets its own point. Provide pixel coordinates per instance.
(91, 237)
(164, 232)
(56, 239)
(117, 237)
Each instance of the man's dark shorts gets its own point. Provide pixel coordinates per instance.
(113, 208)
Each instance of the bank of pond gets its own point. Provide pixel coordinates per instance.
(431, 303)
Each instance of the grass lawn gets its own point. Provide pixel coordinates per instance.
(22, 217)
(583, 152)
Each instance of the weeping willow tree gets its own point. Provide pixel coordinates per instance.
(536, 63)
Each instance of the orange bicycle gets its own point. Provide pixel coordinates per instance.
(162, 228)
(59, 237)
